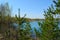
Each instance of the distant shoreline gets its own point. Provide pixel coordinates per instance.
(29, 19)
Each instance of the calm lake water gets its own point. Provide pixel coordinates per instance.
(33, 24)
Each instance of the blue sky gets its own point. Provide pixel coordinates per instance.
(32, 8)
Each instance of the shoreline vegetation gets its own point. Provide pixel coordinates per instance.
(30, 20)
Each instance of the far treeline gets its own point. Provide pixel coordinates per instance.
(48, 29)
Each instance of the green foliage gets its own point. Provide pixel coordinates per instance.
(57, 5)
(23, 33)
(7, 30)
(49, 27)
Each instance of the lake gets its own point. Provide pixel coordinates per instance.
(33, 24)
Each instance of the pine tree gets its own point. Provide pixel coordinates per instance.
(23, 33)
(49, 28)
